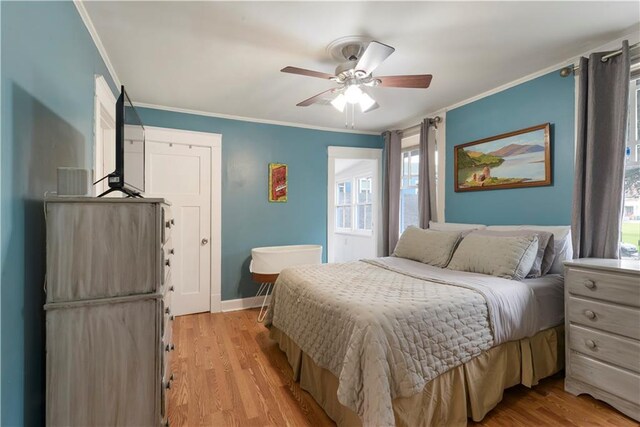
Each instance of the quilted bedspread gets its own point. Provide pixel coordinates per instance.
(402, 330)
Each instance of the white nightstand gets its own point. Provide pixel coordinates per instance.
(602, 331)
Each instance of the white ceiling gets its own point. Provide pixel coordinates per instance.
(225, 57)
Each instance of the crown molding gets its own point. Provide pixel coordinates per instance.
(82, 11)
(630, 34)
(250, 119)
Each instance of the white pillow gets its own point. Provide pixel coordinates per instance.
(545, 254)
(453, 226)
(508, 257)
(427, 246)
(561, 242)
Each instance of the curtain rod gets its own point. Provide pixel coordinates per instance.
(566, 71)
(432, 122)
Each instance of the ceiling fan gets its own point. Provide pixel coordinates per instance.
(354, 76)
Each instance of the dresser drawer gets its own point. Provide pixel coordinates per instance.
(620, 351)
(617, 381)
(604, 316)
(620, 288)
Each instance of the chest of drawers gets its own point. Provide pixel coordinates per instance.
(602, 330)
(108, 312)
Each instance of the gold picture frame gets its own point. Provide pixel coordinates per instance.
(278, 182)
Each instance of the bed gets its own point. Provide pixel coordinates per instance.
(438, 346)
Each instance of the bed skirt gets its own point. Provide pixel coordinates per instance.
(470, 390)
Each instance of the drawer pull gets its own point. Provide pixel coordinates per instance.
(171, 289)
(168, 385)
(173, 221)
(173, 347)
(171, 318)
(589, 284)
(167, 224)
(590, 343)
(167, 310)
(167, 348)
(167, 263)
(172, 251)
(590, 314)
(172, 378)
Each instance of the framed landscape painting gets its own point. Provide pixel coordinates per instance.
(511, 160)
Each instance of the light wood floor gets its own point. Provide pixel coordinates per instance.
(228, 373)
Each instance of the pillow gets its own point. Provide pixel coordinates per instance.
(508, 257)
(453, 226)
(545, 254)
(561, 242)
(427, 246)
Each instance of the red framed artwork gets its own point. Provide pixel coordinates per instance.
(278, 182)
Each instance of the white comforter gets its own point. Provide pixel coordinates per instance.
(386, 327)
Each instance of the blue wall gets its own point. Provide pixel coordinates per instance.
(48, 66)
(549, 98)
(248, 219)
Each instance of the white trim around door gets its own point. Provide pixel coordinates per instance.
(335, 153)
(214, 142)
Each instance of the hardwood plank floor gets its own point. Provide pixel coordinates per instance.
(229, 373)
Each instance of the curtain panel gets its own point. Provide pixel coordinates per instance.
(427, 209)
(391, 202)
(603, 102)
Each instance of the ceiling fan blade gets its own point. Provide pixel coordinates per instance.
(303, 72)
(373, 56)
(314, 99)
(419, 81)
(373, 107)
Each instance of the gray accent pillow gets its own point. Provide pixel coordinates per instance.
(546, 250)
(427, 246)
(508, 257)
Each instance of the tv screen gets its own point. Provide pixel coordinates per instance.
(133, 146)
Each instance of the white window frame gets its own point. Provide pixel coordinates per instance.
(405, 150)
(348, 203)
(357, 204)
(354, 204)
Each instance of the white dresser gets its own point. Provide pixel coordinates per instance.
(602, 320)
(108, 311)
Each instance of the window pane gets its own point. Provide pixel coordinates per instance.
(630, 233)
(415, 162)
(405, 163)
(364, 190)
(340, 194)
(408, 208)
(339, 217)
(360, 213)
(347, 217)
(368, 223)
(637, 113)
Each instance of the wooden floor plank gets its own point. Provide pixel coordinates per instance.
(229, 373)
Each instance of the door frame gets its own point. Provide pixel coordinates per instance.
(104, 104)
(335, 153)
(214, 142)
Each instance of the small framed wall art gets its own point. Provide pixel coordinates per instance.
(278, 182)
(511, 160)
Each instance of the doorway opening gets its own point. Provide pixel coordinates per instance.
(354, 204)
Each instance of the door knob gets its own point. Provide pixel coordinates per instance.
(204, 241)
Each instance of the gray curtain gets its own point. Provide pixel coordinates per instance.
(391, 203)
(427, 174)
(603, 102)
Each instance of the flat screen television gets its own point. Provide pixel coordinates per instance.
(128, 176)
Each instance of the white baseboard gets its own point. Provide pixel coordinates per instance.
(243, 303)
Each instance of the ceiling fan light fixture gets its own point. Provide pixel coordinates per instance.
(339, 102)
(366, 102)
(353, 94)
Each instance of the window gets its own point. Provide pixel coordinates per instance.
(343, 205)
(354, 212)
(630, 235)
(409, 188)
(364, 205)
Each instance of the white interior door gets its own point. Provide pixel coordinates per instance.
(182, 174)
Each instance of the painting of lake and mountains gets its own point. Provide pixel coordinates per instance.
(516, 159)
